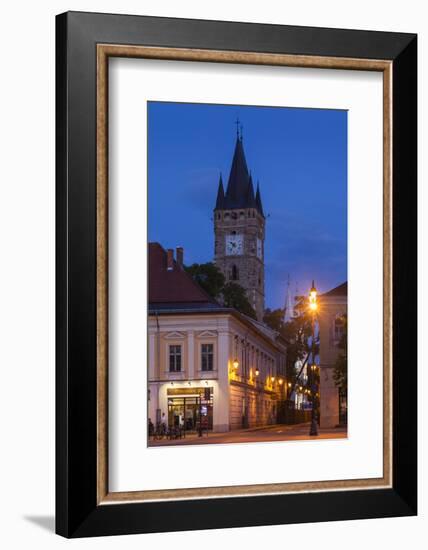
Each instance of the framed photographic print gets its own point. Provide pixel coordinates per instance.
(236, 274)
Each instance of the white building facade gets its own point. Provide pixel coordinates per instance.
(215, 367)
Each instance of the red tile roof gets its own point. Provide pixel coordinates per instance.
(172, 286)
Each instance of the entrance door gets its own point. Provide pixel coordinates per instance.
(185, 410)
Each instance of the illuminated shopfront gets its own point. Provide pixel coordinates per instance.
(187, 406)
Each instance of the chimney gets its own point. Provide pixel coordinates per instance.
(180, 255)
(170, 259)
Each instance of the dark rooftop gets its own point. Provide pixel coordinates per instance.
(341, 290)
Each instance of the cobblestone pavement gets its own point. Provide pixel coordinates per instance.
(277, 432)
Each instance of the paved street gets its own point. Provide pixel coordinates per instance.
(278, 432)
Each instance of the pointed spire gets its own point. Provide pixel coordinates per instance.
(259, 205)
(288, 307)
(240, 188)
(220, 195)
(237, 186)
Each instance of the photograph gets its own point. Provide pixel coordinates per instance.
(247, 273)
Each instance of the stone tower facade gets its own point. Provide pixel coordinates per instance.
(239, 228)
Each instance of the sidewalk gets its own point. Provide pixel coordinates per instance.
(273, 432)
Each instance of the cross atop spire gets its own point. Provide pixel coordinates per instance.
(238, 125)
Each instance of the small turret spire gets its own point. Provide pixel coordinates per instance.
(259, 205)
(220, 195)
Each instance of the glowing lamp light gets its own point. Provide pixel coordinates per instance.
(273, 378)
(257, 371)
(313, 298)
(280, 381)
(289, 384)
(235, 364)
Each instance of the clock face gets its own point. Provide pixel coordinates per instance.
(234, 245)
(259, 248)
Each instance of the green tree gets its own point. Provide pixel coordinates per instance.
(212, 280)
(234, 296)
(274, 318)
(297, 333)
(340, 374)
(209, 277)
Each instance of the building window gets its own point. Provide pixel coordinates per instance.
(338, 328)
(207, 356)
(235, 273)
(174, 358)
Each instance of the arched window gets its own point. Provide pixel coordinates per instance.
(235, 273)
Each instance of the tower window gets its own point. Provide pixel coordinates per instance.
(234, 215)
(241, 215)
(226, 216)
(235, 273)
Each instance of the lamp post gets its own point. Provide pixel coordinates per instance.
(313, 306)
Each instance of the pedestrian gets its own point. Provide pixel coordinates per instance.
(151, 427)
(164, 424)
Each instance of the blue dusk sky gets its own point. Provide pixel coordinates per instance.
(299, 157)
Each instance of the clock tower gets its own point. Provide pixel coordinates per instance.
(239, 228)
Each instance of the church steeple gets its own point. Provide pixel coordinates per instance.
(239, 229)
(238, 178)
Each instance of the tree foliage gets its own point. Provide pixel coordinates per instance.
(274, 318)
(212, 280)
(209, 277)
(297, 333)
(235, 296)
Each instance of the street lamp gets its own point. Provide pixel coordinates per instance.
(313, 306)
(235, 364)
